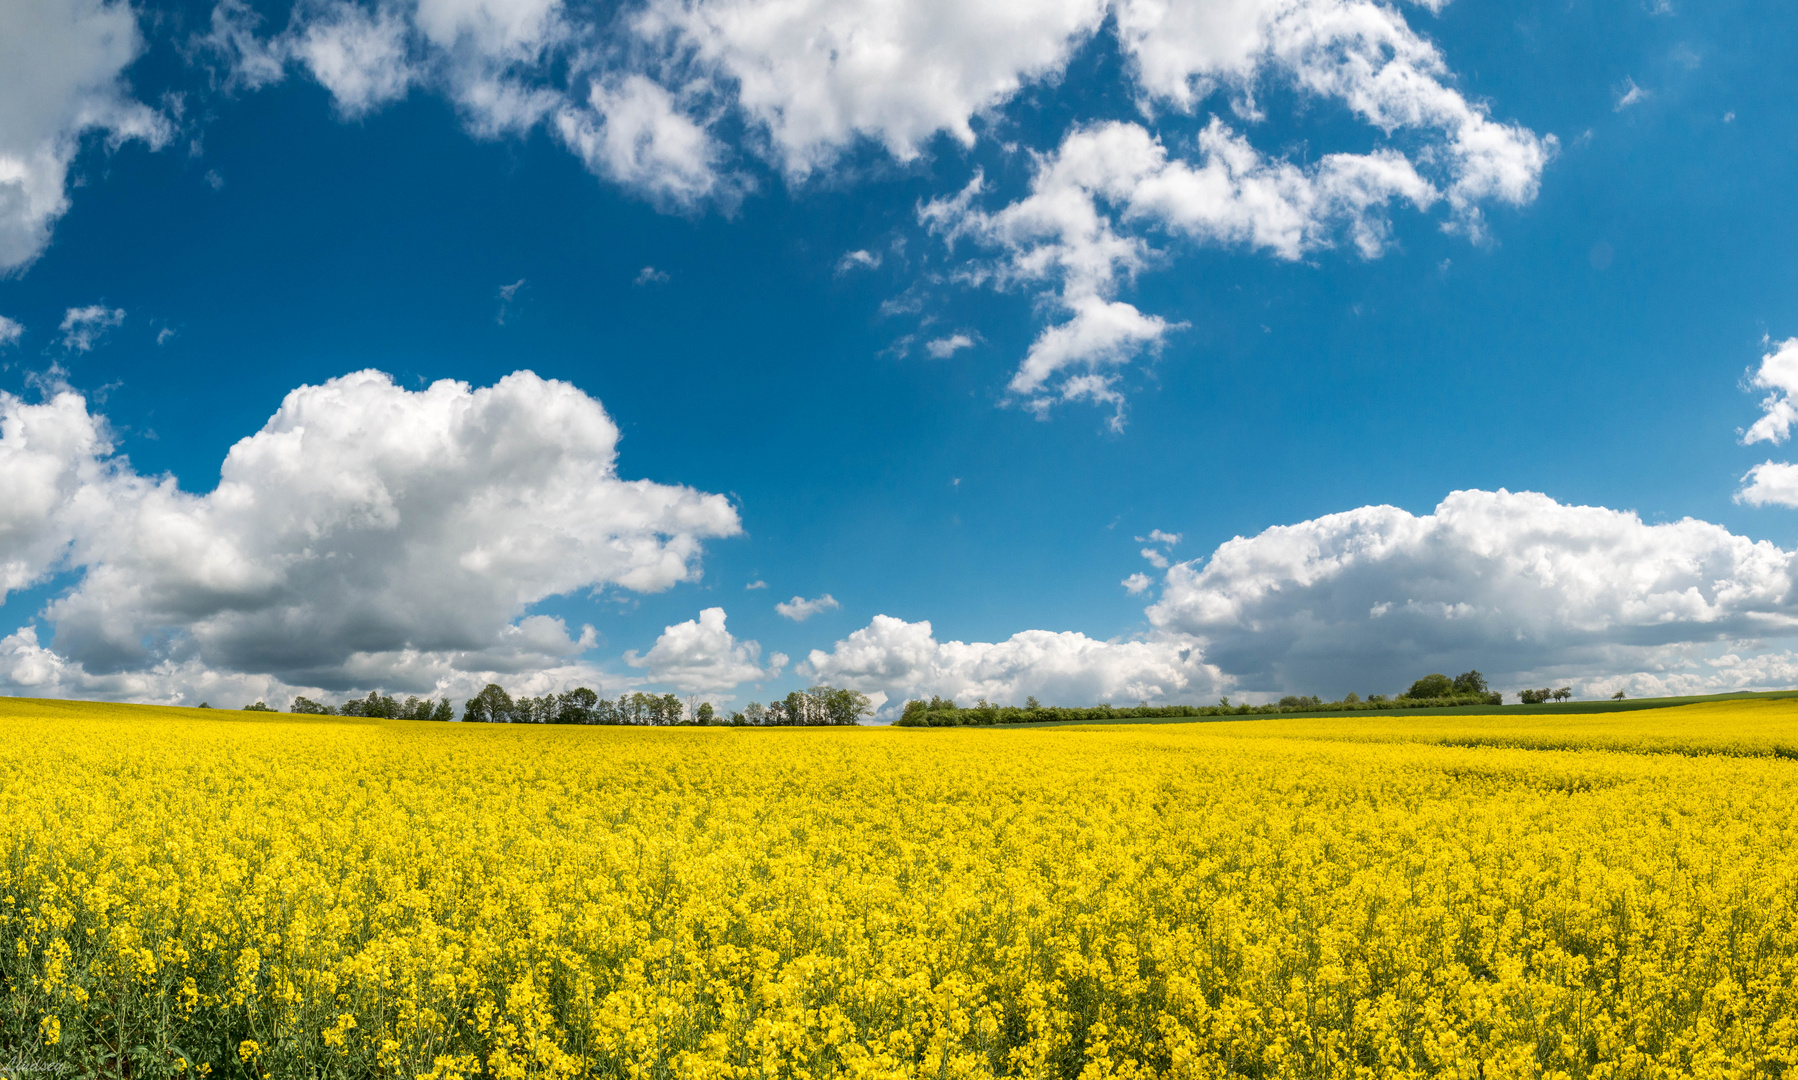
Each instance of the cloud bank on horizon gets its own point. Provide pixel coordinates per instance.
(693, 103)
(370, 535)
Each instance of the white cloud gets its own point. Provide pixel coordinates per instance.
(816, 75)
(1101, 334)
(904, 660)
(700, 655)
(50, 454)
(63, 63)
(1072, 232)
(1771, 483)
(487, 56)
(32, 669)
(858, 260)
(10, 332)
(367, 535)
(360, 58)
(649, 275)
(1513, 584)
(251, 62)
(1629, 94)
(83, 327)
(1156, 558)
(945, 347)
(1156, 536)
(634, 131)
(1358, 52)
(800, 609)
(1082, 230)
(1778, 375)
(1528, 590)
(757, 584)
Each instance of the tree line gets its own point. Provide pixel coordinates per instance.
(1434, 691)
(820, 706)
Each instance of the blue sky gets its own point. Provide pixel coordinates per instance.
(743, 250)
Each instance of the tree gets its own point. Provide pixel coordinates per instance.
(1618, 696)
(491, 706)
(258, 707)
(1470, 682)
(578, 706)
(1430, 686)
(1564, 693)
(443, 710)
(310, 707)
(705, 714)
(839, 708)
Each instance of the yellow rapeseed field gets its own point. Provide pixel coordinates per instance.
(220, 894)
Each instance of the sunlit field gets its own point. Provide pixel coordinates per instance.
(208, 893)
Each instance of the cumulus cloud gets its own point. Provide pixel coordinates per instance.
(1778, 375)
(700, 656)
(1077, 232)
(367, 535)
(800, 609)
(50, 455)
(10, 332)
(1513, 583)
(83, 327)
(905, 660)
(1771, 483)
(815, 76)
(1083, 231)
(64, 64)
(1528, 590)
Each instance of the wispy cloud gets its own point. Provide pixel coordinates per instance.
(83, 327)
(800, 609)
(945, 347)
(508, 295)
(857, 260)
